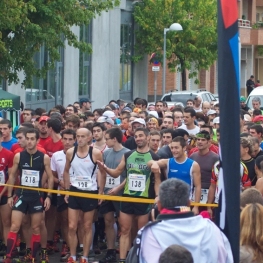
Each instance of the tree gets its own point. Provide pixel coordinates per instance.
(26, 25)
(192, 49)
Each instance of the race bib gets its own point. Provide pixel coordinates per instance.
(30, 178)
(137, 182)
(2, 177)
(112, 182)
(203, 198)
(83, 183)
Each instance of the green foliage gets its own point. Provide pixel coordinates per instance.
(26, 25)
(196, 45)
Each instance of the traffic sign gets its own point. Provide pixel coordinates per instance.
(155, 68)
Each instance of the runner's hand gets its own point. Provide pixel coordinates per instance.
(10, 201)
(47, 203)
(195, 210)
(210, 212)
(155, 168)
(100, 200)
(66, 198)
(61, 184)
(102, 165)
(113, 191)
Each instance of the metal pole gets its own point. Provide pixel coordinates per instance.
(164, 58)
(155, 85)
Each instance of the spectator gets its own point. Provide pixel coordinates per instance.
(176, 254)
(250, 84)
(251, 233)
(179, 226)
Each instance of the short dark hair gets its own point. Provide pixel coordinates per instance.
(181, 140)
(155, 132)
(258, 128)
(158, 101)
(6, 121)
(32, 112)
(99, 125)
(191, 101)
(68, 132)
(250, 196)
(144, 112)
(74, 119)
(257, 112)
(173, 132)
(191, 111)
(61, 109)
(40, 111)
(208, 127)
(55, 124)
(74, 108)
(99, 111)
(177, 109)
(139, 102)
(169, 117)
(35, 131)
(27, 124)
(144, 130)
(204, 135)
(176, 254)
(115, 133)
(22, 130)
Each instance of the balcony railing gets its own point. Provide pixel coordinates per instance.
(244, 23)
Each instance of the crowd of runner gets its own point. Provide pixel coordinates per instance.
(121, 149)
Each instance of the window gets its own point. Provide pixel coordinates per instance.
(126, 51)
(84, 63)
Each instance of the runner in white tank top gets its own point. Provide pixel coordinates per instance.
(83, 161)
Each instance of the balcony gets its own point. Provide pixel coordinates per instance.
(244, 23)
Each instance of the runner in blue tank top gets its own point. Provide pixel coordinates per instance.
(181, 167)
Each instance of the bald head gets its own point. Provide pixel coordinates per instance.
(206, 107)
(84, 131)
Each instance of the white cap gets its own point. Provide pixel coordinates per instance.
(109, 114)
(216, 120)
(103, 119)
(139, 120)
(211, 112)
(153, 113)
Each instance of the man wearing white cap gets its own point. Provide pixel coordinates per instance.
(211, 114)
(130, 143)
(108, 122)
(216, 122)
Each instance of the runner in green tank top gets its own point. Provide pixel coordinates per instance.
(140, 182)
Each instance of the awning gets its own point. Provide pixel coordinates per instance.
(9, 102)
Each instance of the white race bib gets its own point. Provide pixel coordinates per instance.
(137, 182)
(30, 178)
(203, 198)
(112, 182)
(2, 177)
(83, 183)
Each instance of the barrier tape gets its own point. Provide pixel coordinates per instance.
(99, 196)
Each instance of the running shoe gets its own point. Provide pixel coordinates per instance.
(64, 250)
(71, 260)
(83, 260)
(44, 256)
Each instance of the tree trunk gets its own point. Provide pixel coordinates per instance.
(183, 74)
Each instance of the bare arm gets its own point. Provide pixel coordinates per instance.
(157, 182)
(211, 194)
(197, 184)
(162, 163)
(113, 172)
(13, 174)
(48, 172)
(97, 156)
(67, 167)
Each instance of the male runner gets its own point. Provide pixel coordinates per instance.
(140, 183)
(6, 129)
(83, 161)
(113, 186)
(31, 164)
(58, 162)
(42, 127)
(6, 163)
(206, 160)
(98, 130)
(181, 167)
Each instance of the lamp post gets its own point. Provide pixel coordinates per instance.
(173, 27)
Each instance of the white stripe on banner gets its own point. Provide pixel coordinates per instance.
(221, 189)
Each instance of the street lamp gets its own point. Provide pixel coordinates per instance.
(173, 27)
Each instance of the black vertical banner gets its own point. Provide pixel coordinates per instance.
(229, 91)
